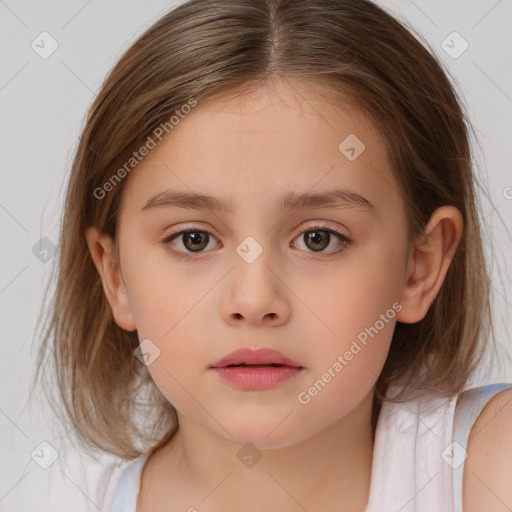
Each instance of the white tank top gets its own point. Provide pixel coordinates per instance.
(418, 455)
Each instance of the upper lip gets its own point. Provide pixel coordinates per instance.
(255, 356)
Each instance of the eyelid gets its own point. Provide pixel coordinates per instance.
(312, 225)
(191, 227)
(323, 225)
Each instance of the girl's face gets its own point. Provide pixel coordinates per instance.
(265, 273)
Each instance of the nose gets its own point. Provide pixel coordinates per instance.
(257, 294)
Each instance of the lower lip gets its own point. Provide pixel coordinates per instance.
(257, 378)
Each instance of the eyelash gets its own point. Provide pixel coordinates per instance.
(345, 241)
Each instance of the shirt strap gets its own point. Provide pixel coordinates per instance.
(125, 498)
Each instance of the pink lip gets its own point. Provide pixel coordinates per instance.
(258, 356)
(255, 377)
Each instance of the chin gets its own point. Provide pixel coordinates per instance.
(265, 436)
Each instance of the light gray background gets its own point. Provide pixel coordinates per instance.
(43, 104)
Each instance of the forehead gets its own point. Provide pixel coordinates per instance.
(255, 148)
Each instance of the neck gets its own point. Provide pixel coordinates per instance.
(330, 470)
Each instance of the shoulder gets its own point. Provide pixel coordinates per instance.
(486, 480)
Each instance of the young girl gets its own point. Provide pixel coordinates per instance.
(272, 290)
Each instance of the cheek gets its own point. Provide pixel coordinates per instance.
(356, 291)
(163, 294)
(167, 300)
(355, 308)
(174, 373)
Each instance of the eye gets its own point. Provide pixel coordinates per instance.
(192, 240)
(318, 237)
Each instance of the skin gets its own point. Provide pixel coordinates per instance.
(486, 482)
(254, 148)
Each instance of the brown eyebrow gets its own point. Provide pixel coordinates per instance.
(340, 198)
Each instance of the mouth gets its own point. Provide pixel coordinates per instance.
(253, 370)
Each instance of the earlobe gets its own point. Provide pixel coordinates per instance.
(429, 262)
(102, 249)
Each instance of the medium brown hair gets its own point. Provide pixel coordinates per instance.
(356, 53)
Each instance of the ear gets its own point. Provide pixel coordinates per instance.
(101, 247)
(429, 262)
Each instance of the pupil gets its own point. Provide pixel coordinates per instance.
(195, 238)
(319, 238)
